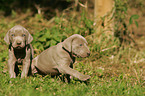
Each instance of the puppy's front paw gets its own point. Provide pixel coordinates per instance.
(13, 75)
(85, 77)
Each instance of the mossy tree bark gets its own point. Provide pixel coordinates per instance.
(103, 17)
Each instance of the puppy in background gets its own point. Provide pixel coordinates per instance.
(20, 50)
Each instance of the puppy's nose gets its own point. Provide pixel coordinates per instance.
(18, 43)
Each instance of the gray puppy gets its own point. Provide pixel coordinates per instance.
(20, 50)
(60, 58)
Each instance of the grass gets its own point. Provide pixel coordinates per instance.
(42, 86)
(114, 70)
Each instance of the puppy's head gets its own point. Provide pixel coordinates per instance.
(77, 45)
(18, 36)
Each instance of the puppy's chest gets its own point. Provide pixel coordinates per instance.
(71, 61)
(20, 55)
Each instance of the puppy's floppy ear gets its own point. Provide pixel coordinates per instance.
(67, 43)
(7, 37)
(29, 37)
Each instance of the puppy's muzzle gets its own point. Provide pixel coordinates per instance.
(18, 43)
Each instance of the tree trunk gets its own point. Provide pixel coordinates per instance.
(103, 16)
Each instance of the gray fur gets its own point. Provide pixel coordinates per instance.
(20, 50)
(60, 58)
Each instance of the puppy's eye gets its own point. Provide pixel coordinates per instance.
(13, 35)
(23, 35)
(81, 44)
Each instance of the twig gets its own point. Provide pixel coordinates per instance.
(51, 20)
(22, 17)
(38, 8)
(136, 76)
(108, 48)
(85, 6)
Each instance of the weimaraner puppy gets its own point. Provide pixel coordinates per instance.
(60, 58)
(20, 50)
